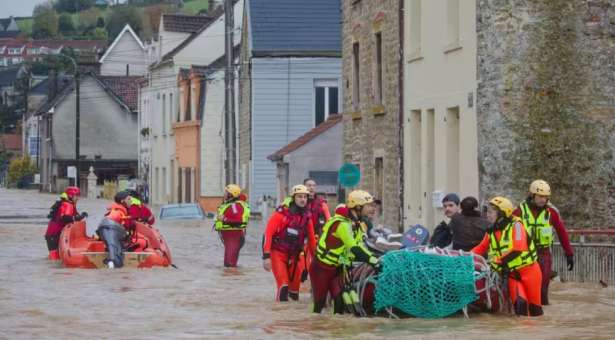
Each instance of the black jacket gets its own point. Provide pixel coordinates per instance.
(468, 230)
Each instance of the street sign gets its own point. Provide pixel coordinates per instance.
(71, 172)
(349, 175)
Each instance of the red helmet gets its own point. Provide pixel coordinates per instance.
(72, 191)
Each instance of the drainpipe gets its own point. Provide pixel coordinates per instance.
(401, 115)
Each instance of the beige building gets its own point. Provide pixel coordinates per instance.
(439, 119)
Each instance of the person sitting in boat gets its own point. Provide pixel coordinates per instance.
(62, 213)
(138, 211)
(113, 229)
(378, 237)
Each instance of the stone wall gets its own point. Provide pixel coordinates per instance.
(546, 103)
(373, 129)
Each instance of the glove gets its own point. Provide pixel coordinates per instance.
(570, 262)
(304, 275)
(84, 214)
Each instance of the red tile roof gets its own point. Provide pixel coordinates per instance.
(11, 141)
(307, 137)
(184, 23)
(125, 87)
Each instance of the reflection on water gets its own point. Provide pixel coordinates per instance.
(204, 299)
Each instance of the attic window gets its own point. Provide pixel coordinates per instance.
(326, 99)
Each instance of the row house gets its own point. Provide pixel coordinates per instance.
(498, 94)
(373, 78)
(17, 51)
(290, 82)
(177, 167)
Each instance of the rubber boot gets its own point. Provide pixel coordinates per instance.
(293, 296)
(54, 255)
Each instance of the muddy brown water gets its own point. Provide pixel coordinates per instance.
(201, 299)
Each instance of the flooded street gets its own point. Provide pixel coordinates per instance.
(39, 299)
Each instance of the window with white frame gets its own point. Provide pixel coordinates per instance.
(326, 99)
(33, 146)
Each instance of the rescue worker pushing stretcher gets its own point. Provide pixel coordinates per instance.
(340, 244)
(512, 253)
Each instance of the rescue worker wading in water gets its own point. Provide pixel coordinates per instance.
(541, 219)
(511, 252)
(138, 211)
(286, 234)
(340, 244)
(62, 213)
(317, 206)
(231, 223)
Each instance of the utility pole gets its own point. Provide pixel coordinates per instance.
(77, 118)
(229, 97)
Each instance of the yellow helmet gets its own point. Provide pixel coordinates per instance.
(540, 187)
(299, 189)
(359, 198)
(233, 189)
(503, 204)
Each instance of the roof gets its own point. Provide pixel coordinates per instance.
(8, 75)
(128, 29)
(306, 138)
(295, 27)
(184, 23)
(213, 18)
(126, 88)
(11, 141)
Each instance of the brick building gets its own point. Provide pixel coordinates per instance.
(372, 101)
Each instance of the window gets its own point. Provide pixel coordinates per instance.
(14, 51)
(379, 74)
(452, 24)
(171, 112)
(416, 163)
(188, 115)
(415, 28)
(33, 51)
(164, 114)
(33, 146)
(326, 99)
(355, 76)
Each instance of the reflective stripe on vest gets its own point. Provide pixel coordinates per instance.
(504, 245)
(340, 255)
(540, 228)
(244, 218)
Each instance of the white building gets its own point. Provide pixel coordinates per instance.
(125, 57)
(178, 49)
(440, 134)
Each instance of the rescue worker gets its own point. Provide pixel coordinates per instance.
(541, 218)
(290, 229)
(339, 245)
(231, 223)
(62, 213)
(138, 211)
(113, 229)
(511, 252)
(317, 206)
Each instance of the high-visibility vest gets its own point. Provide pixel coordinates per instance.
(540, 228)
(504, 245)
(340, 255)
(244, 218)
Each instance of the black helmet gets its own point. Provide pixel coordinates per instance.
(120, 196)
(133, 193)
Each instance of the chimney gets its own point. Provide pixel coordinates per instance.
(52, 88)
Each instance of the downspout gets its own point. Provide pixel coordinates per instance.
(401, 115)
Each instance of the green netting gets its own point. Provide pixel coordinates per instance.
(424, 285)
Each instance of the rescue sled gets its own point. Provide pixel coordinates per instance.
(78, 250)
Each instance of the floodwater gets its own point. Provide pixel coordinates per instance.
(201, 299)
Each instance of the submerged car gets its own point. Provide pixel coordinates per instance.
(182, 211)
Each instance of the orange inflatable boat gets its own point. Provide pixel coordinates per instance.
(78, 250)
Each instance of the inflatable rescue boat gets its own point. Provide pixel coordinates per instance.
(78, 250)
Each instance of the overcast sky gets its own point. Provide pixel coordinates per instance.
(18, 8)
